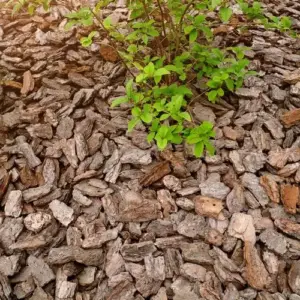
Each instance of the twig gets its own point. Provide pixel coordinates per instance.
(180, 23)
(114, 45)
(145, 9)
(196, 98)
(185, 11)
(162, 17)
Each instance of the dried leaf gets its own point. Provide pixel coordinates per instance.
(11, 83)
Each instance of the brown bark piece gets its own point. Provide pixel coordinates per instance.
(271, 188)
(256, 273)
(156, 173)
(291, 118)
(289, 197)
(289, 227)
(4, 181)
(177, 161)
(292, 77)
(28, 83)
(109, 53)
(28, 178)
(209, 207)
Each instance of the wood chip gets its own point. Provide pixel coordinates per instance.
(291, 118)
(156, 173)
(256, 273)
(28, 83)
(289, 197)
(270, 187)
(109, 53)
(209, 207)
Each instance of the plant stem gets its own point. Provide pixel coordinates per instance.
(184, 13)
(145, 9)
(180, 24)
(162, 17)
(114, 45)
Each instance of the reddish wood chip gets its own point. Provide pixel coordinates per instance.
(291, 118)
(289, 197)
(157, 172)
(109, 53)
(256, 273)
(270, 187)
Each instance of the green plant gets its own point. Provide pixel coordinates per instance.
(167, 48)
(29, 5)
(87, 41)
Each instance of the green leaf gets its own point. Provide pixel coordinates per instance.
(212, 95)
(163, 131)
(86, 41)
(177, 102)
(186, 116)
(215, 3)
(149, 69)
(176, 139)
(154, 125)
(119, 101)
(230, 84)
(193, 35)
(136, 111)
(141, 77)
(146, 117)
(87, 22)
(31, 9)
(129, 89)
(161, 143)
(225, 14)
(188, 29)
(145, 39)
(164, 117)
(157, 79)
(198, 149)
(193, 139)
(209, 147)
(132, 48)
(70, 24)
(206, 127)
(132, 123)
(101, 4)
(107, 22)
(220, 92)
(199, 20)
(150, 137)
(92, 34)
(138, 65)
(161, 72)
